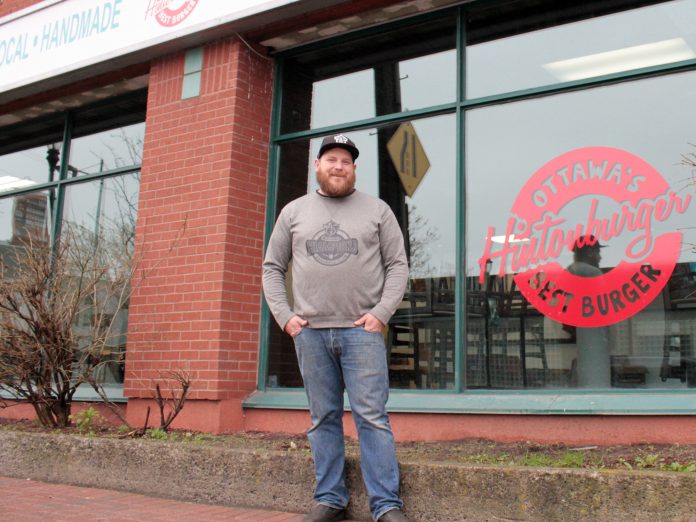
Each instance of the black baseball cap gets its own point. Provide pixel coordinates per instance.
(341, 141)
(588, 241)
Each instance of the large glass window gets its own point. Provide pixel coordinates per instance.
(511, 342)
(550, 240)
(91, 202)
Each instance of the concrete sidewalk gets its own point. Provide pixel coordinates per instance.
(25, 500)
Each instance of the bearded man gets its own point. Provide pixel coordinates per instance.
(349, 274)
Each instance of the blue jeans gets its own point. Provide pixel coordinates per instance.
(354, 359)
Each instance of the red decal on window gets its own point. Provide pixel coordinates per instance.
(536, 236)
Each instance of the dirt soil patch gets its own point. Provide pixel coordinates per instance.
(677, 458)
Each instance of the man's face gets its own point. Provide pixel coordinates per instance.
(595, 256)
(589, 255)
(335, 172)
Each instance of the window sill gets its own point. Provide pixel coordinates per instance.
(85, 394)
(614, 402)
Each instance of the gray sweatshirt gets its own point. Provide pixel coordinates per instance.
(347, 256)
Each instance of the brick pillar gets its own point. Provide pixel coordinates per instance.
(196, 303)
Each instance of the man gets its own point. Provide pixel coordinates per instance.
(592, 366)
(586, 257)
(349, 274)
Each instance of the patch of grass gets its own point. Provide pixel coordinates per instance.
(568, 459)
(656, 462)
(689, 467)
(157, 434)
(86, 419)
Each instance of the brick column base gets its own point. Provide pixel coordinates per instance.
(197, 415)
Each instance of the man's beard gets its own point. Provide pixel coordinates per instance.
(336, 186)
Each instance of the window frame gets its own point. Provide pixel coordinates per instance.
(460, 399)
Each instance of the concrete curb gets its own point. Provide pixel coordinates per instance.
(283, 480)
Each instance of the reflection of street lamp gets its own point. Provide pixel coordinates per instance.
(97, 221)
(52, 156)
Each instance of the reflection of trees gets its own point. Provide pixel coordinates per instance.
(59, 319)
(420, 236)
(110, 244)
(129, 152)
(115, 226)
(126, 197)
(108, 237)
(63, 307)
(689, 161)
(122, 150)
(104, 313)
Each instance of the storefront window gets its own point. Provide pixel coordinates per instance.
(96, 218)
(615, 174)
(420, 336)
(530, 168)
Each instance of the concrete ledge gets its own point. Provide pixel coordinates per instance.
(284, 480)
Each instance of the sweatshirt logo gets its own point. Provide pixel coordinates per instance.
(331, 245)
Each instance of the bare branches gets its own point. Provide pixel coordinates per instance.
(113, 407)
(170, 394)
(178, 385)
(50, 342)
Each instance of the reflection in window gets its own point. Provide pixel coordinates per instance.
(585, 49)
(420, 336)
(389, 72)
(28, 167)
(98, 217)
(428, 80)
(509, 342)
(410, 85)
(107, 150)
(24, 220)
(99, 221)
(329, 106)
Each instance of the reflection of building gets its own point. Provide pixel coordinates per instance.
(29, 219)
(213, 143)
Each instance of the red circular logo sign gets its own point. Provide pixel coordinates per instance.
(536, 236)
(169, 14)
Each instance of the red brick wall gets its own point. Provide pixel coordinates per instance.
(200, 225)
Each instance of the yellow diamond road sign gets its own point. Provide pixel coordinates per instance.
(408, 155)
